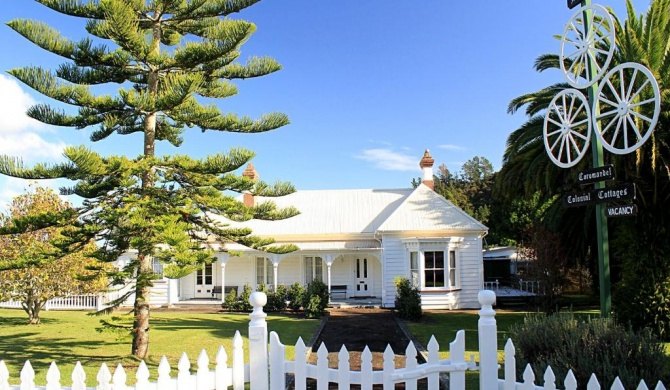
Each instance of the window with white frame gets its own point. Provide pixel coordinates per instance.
(433, 269)
(414, 270)
(313, 269)
(264, 271)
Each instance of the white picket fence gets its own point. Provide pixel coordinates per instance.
(268, 367)
(72, 302)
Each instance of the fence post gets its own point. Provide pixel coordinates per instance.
(488, 341)
(99, 305)
(258, 343)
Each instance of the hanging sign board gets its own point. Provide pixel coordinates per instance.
(596, 174)
(621, 211)
(573, 3)
(600, 195)
(578, 199)
(609, 194)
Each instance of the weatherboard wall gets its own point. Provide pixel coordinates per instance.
(469, 268)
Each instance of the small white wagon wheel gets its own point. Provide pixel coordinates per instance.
(567, 128)
(580, 45)
(630, 104)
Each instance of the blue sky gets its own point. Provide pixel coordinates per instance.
(368, 86)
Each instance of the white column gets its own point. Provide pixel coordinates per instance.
(488, 341)
(276, 259)
(329, 258)
(223, 282)
(275, 266)
(258, 343)
(223, 258)
(173, 291)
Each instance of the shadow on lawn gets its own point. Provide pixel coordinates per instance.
(21, 321)
(42, 352)
(224, 326)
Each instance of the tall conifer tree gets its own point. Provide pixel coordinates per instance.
(162, 55)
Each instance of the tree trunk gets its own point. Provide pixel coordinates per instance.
(142, 313)
(32, 308)
(140, 332)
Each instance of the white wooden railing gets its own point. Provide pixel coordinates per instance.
(494, 285)
(73, 302)
(268, 368)
(531, 286)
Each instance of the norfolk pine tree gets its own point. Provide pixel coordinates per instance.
(163, 55)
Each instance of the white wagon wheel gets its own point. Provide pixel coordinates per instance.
(567, 128)
(629, 112)
(580, 45)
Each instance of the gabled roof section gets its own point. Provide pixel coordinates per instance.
(425, 210)
(329, 212)
(351, 212)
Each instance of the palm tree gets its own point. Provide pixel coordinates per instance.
(638, 245)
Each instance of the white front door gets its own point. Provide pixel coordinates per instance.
(362, 287)
(204, 282)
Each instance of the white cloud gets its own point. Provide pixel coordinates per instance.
(11, 188)
(18, 132)
(389, 160)
(13, 105)
(30, 146)
(452, 147)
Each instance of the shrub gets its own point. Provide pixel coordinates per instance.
(295, 296)
(315, 300)
(230, 301)
(313, 308)
(593, 345)
(244, 304)
(643, 301)
(277, 299)
(407, 300)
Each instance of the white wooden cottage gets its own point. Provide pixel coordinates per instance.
(357, 242)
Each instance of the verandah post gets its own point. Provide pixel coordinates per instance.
(488, 341)
(258, 343)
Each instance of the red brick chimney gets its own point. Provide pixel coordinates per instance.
(252, 175)
(426, 165)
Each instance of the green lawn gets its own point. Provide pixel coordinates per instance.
(70, 336)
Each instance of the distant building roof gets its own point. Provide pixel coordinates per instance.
(501, 253)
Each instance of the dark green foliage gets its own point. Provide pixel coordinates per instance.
(407, 300)
(644, 303)
(314, 307)
(315, 300)
(244, 298)
(295, 296)
(236, 303)
(642, 297)
(277, 299)
(592, 345)
(230, 301)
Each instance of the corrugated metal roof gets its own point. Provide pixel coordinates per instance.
(425, 210)
(324, 212)
(331, 212)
